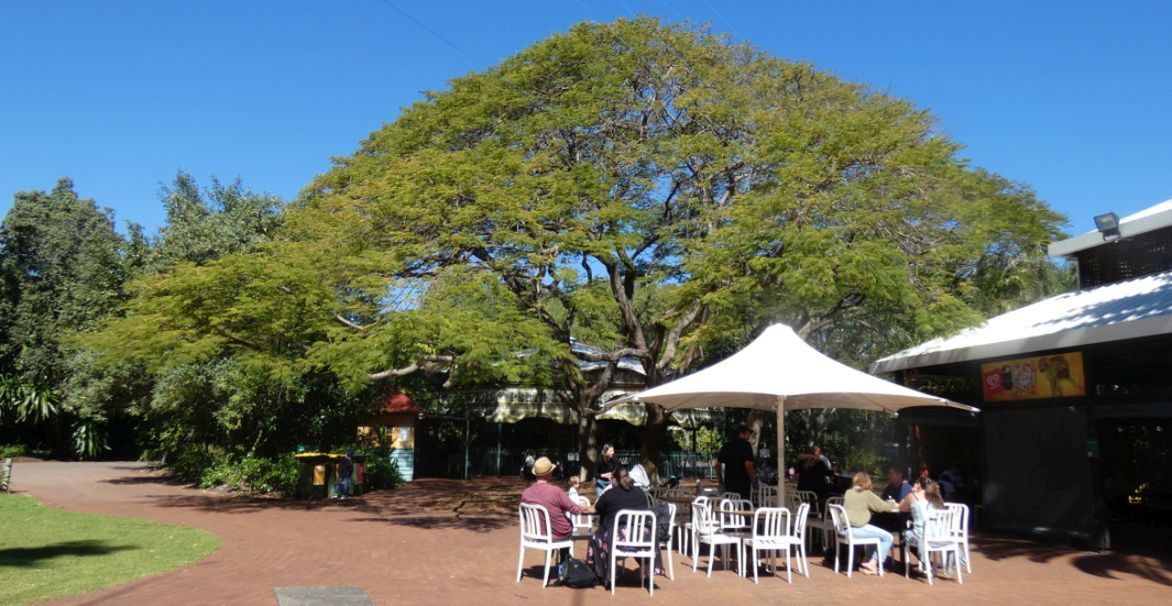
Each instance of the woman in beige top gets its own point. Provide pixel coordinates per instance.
(860, 502)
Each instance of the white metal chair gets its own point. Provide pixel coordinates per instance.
(960, 529)
(766, 496)
(844, 536)
(634, 537)
(671, 531)
(939, 537)
(732, 521)
(770, 533)
(706, 529)
(688, 535)
(823, 523)
(798, 537)
(583, 523)
(536, 534)
(811, 497)
(731, 495)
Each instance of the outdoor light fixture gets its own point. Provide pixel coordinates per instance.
(1108, 225)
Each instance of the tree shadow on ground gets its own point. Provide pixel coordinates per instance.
(31, 556)
(1107, 565)
(1111, 565)
(475, 505)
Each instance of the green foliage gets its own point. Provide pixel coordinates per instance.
(11, 450)
(650, 189)
(26, 402)
(204, 224)
(253, 474)
(380, 472)
(80, 552)
(665, 194)
(708, 441)
(190, 463)
(62, 267)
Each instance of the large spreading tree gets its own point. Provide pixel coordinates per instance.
(653, 190)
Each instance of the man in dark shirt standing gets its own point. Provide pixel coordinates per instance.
(734, 469)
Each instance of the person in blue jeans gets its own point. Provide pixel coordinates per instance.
(345, 470)
(860, 502)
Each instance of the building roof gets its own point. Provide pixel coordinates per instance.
(1148, 219)
(396, 402)
(1124, 310)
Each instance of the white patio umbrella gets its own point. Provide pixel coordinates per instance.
(778, 371)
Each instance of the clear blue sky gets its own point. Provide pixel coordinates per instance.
(1072, 98)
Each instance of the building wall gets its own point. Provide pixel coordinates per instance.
(1037, 473)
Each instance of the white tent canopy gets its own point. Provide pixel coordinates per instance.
(778, 371)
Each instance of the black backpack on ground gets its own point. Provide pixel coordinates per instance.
(578, 574)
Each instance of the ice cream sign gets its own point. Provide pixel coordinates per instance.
(1052, 376)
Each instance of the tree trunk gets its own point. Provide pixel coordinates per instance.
(654, 438)
(587, 442)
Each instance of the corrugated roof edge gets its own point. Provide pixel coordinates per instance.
(1149, 219)
(1157, 321)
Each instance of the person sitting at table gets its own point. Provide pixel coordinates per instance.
(925, 498)
(624, 494)
(896, 491)
(604, 469)
(554, 500)
(860, 502)
(897, 488)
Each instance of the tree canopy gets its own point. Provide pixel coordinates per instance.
(651, 189)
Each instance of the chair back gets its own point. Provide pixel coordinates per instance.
(634, 530)
(766, 496)
(581, 520)
(770, 523)
(842, 524)
(704, 518)
(938, 526)
(800, 518)
(729, 519)
(671, 521)
(831, 501)
(811, 497)
(960, 519)
(535, 524)
(731, 495)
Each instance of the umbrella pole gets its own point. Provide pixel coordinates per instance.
(780, 451)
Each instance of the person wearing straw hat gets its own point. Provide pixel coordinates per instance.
(554, 500)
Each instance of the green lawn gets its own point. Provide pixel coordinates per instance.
(48, 553)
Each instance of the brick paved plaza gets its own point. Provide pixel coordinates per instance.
(451, 542)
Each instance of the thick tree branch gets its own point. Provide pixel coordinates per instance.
(429, 364)
(672, 339)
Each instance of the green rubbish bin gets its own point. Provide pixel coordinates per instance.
(315, 475)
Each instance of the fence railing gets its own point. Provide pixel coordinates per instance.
(502, 462)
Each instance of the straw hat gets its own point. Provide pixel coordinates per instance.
(543, 467)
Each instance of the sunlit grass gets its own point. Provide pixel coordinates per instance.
(48, 553)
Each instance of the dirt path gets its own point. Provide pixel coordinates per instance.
(450, 542)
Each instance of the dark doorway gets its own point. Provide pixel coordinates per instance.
(1137, 486)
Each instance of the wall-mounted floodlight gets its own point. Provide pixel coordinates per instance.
(1108, 225)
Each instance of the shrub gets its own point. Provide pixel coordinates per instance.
(11, 450)
(253, 474)
(190, 464)
(380, 472)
